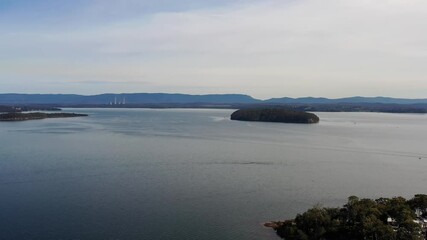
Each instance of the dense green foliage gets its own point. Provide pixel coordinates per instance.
(274, 115)
(17, 116)
(384, 218)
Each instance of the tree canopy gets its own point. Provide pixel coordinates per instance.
(380, 219)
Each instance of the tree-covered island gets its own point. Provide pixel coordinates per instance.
(274, 115)
(360, 219)
(18, 116)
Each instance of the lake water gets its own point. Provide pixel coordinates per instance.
(193, 174)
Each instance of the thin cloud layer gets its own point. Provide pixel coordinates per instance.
(326, 48)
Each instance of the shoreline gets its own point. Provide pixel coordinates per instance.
(16, 117)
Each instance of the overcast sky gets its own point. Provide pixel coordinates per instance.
(329, 48)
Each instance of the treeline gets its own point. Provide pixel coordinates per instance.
(381, 219)
(17, 116)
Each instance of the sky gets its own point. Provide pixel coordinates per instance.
(264, 48)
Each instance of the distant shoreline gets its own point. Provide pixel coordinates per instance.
(306, 107)
(366, 107)
(40, 102)
(14, 117)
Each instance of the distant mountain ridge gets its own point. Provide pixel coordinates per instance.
(357, 99)
(124, 98)
(177, 98)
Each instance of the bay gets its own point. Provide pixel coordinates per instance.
(195, 174)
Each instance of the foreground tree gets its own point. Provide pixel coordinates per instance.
(364, 219)
(419, 204)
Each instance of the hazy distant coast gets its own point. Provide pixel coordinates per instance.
(176, 98)
(224, 101)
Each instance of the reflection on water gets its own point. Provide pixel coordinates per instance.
(194, 174)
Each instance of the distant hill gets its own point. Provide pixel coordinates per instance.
(312, 100)
(125, 98)
(167, 98)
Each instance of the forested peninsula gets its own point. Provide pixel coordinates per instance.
(274, 115)
(18, 116)
(381, 219)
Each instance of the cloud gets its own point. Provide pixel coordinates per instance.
(308, 47)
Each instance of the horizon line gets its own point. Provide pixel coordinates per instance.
(205, 94)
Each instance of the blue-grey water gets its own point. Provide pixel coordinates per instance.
(194, 174)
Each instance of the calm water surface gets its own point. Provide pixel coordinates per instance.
(193, 174)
